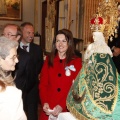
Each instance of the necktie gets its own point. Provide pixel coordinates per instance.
(25, 47)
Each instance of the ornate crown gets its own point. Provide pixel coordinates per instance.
(97, 23)
(106, 19)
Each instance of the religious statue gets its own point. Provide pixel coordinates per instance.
(95, 93)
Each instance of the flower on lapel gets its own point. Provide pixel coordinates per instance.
(68, 68)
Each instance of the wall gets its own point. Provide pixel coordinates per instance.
(69, 15)
(27, 15)
(38, 15)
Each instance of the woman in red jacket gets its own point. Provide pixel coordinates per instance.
(58, 72)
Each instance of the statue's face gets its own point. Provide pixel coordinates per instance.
(98, 36)
(8, 64)
(95, 37)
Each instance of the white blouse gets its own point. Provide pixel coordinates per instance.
(11, 104)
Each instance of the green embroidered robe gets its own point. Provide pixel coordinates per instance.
(95, 93)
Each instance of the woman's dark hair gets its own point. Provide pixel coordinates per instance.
(70, 51)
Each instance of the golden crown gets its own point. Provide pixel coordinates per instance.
(97, 23)
(106, 18)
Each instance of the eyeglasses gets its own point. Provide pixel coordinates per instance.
(8, 34)
(14, 57)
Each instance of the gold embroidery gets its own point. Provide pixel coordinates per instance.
(98, 79)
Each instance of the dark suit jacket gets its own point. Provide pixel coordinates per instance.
(37, 55)
(24, 78)
(116, 42)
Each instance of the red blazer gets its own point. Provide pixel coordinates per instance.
(54, 84)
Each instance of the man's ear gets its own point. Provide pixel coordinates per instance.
(0, 60)
(0, 57)
(18, 37)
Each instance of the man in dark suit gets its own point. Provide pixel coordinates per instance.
(23, 77)
(114, 44)
(37, 55)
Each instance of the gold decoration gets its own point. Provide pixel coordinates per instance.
(52, 12)
(109, 11)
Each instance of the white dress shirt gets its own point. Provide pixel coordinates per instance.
(21, 46)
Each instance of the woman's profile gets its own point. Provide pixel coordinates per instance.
(11, 105)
